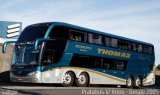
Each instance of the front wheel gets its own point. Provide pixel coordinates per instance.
(82, 80)
(68, 79)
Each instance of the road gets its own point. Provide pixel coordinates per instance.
(36, 89)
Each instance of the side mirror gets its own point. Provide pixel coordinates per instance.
(4, 47)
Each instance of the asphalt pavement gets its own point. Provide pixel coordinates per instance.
(44, 89)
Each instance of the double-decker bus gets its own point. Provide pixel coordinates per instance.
(66, 54)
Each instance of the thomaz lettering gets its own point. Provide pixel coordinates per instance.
(113, 53)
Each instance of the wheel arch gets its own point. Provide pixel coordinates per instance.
(129, 75)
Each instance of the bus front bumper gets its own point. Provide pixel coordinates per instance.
(35, 78)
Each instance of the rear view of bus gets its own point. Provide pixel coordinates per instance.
(68, 54)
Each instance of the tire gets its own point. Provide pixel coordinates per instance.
(129, 82)
(68, 79)
(82, 80)
(137, 82)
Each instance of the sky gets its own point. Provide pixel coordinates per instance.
(136, 19)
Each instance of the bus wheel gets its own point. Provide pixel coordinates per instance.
(82, 80)
(68, 79)
(137, 82)
(129, 82)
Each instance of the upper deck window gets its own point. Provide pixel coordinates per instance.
(139, 48)
(59, 32)
(112, 42)
(107, 41)
(33, 32)
(77, 36)
(95, 39)
(133, 47)
(150, 50)
(146, 49)
(125, 45)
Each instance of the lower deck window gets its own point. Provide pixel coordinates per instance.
(50, 56)
(97, 62)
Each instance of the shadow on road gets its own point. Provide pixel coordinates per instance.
(4, 76)
(7, 83)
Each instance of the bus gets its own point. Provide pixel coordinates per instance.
(61, 53)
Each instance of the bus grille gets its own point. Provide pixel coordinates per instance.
(20, 72)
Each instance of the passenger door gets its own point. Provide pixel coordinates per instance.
(46, 64)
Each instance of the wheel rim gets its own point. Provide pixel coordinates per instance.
(82, 79)
(138, 83)
(67, 79)
(129, 82)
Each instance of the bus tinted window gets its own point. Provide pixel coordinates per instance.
(112, 42)
(109, 63)
(81, 61)
(114, 64)
(127, 45)
(90, 38)
(50, 57)
(120, 65)
(54, 45)
(77, 36)
(95, 39)
(107, 41)
(150, 50)
(33, 32)
(59, 32)
(124, 45)
(47, 57)
(98, 62)
(86, 61)
(139, 48)
(133, 47)
(146, 49)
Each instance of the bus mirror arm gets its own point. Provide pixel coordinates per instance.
(41, 40)
(4, 47)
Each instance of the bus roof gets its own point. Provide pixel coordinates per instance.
(96, 32)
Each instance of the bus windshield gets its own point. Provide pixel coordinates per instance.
(33, 32)
(25, 56)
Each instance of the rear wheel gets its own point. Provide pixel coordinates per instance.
(137, 82)
(68, 79)
(82, 80)
(129, 82)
